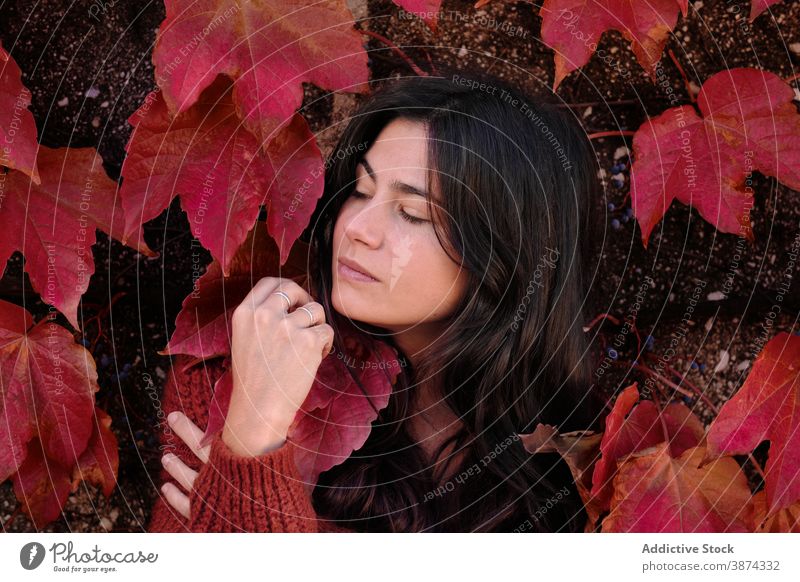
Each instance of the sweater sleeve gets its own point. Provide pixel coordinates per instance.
(233, 493)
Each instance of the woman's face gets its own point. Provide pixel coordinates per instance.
(415, 282)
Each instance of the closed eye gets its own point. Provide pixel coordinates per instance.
(403, 214)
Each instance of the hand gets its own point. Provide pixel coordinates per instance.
(276, 350)
(191, 434)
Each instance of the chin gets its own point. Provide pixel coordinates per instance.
(344, 303)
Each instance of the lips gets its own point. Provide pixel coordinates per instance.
(355, 266)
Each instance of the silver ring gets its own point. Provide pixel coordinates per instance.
(285, 296)
(310, 314)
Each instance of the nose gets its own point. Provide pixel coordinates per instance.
(366, 224)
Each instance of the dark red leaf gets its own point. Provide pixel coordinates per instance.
(767, 407)
(655, 492)
(41, 485)
(222, 175)
(99, 463)
(269, 47)
(17, 126)
(55, 221)
(48, 386)
(749, 123)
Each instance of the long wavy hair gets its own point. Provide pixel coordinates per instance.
(517, 180)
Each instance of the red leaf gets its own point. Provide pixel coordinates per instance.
(427, 10)
(641, 429)
(749, 123)
(216, 166)
(99, 463)
(17, 126)
(767, 407)
(269, 47)
(758, 6)
(41, 486)
(573, 29)
(202, 328)
(55, 221)
(336, 420)
(656, 493)
(47, 389)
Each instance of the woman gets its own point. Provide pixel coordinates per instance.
(454, 226)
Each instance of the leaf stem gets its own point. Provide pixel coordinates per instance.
(611, 134)
(683, 74)
(397, 50)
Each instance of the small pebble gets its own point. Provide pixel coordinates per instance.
(724, 360)
(621, 151)
(63, 102)
(715, 296)
(92, 92)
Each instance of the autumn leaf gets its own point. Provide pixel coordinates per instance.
(786, 520)
(99, 462)
(758, 6)
(336, 417)
(203, 326)
(579, 449)
(632, 427)
(269, 47)
(655, 492)
(573, 29)
(41, 485)
(207, 157)
(17, 126)
(748, 123)
(48, 383)
(767, 407)
(55, 221)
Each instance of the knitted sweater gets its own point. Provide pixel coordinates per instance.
(231, 493)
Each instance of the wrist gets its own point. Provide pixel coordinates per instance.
(246, 439)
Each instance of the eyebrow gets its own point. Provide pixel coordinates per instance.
(395, 185)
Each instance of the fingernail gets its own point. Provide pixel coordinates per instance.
(167, 457)
(173, 416)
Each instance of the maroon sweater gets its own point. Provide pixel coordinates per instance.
(231, 493)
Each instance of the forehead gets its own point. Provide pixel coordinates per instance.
(401, 145)
(398, 158)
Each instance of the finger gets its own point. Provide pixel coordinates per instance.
(183, 474)
(189, 433)
(297, 296)
(301, 317)
(177, 499)
(261, 290)
(325, 337)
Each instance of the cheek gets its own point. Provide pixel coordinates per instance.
(430, 284)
